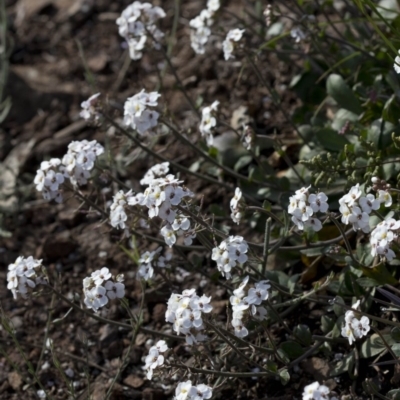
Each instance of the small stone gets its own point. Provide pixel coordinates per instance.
(133, 381)
(15, 380)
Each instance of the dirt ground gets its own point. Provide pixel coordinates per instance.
(54, 43)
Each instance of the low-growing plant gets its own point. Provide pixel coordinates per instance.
(276, 242)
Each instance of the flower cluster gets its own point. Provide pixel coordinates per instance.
(355, 208)
(23, 276)
(229, 254)
(100, 287)
(75, 166)
(302, 207)
(136, 23)
(252, 302)
(89, 108)
(355, 328)
(161, 198)
(79, 160)
(48, 180)
(237, 204)
(138, 116)
(185, 313)
(231, 40)
(382, 237)
(208, 122)
(187, 391)
(315, 391)
(156, 171)
(150, 259)
(155, 359)
(200, 31)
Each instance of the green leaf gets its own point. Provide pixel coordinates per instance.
(380, 274)
(303, 334)
(374, 345)
(391, 110)
(337, 309)
(284, 376)
(330, 140)
(343, 116)
(344, 365)
(394, 394)
(367, 282)
(292, 349)
(340, 91)
(395, 334)
(242, 162)
(396, 349)
(327, 324)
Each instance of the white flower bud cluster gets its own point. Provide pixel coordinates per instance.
(150, 259)
(252, 302)
(208, 122)
(185, 313)
(232, 38)
(100, 287)
(316, 391)
(200, 31)
(75, 166)
(355, 208)
(136, 23)
(237, 203)
(302, 207)
(89, 108)
(382, 236)
(23, 276)
(138, 116)
(187, 391)
(155, 358)
(355, 328)
(230, 254)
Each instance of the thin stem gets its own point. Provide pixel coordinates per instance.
(111, 322)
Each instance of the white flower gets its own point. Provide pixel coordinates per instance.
(161, 346)
(385, 197)
(169, 235)
(115, 290)
(182, 391)
(23, 276)
(396, 64)
(200, 392)
(297, 34)
(318, 202)
(100, 276)
(89, 107)
(315, 391)
(369, 203)
(228, 45)
(355, 328)
(135, 22)
(136, 112)
(353, 195)
(185, 313)
(156, 171)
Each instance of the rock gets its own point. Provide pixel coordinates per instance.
(133, 381)
(15, 380)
